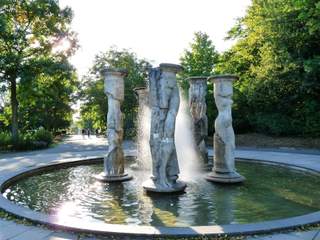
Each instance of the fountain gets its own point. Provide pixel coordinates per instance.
(114, 160)
(143, 160)
(198, 110)
(224, 141)
(187, 153)
(63, 194)
(164, 102)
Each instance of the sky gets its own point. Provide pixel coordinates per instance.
(158, 31)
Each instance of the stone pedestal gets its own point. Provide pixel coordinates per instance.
(224, 140)
(198, 110)
(164, 102)
(114, 160)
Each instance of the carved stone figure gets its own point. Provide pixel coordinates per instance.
(114, 160)
(198, 110)
(224, 140)
(164, 102)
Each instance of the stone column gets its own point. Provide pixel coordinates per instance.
(164, 102)
(114, 160)
(198, 110)
(142, 95)
(224, 140)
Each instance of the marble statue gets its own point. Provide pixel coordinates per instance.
(164, 102)
(198, 110)
(114, 160)
(224, 140)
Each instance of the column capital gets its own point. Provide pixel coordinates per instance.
(121, 72)
(223, 77)
(170, 67)
(195, 79)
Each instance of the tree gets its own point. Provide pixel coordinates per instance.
(2, 106)
(277, 56)
(94, 108)
(29, 30)
(200, 60)
(46, 98)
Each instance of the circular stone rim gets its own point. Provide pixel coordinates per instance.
(227, 178)
(74, 224)
(150, 187)
(101, 177)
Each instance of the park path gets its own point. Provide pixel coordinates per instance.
(74, 146)
(81, 147)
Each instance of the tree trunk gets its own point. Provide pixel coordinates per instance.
(14, 109)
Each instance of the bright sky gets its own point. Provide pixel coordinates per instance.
(156, 30)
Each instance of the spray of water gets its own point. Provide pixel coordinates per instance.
(144, 154)
(186, 147)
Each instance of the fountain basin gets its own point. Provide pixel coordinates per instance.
(135, 228)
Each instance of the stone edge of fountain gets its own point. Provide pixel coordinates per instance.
(74, 224)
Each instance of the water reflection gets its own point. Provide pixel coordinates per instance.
(224, 201)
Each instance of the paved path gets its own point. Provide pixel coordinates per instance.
(78, 147)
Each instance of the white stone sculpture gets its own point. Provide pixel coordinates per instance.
(114, 160)
(198, 110)
(164, 102)
(224, 140)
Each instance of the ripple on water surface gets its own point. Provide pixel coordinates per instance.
(269, 193)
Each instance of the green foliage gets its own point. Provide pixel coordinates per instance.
(31, 32)
(43, 135)
(5, 139)
(94, 108)
(30, 140)
(200, 60)
(277, 57)
(46, 98)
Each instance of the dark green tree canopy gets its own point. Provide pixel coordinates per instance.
(29, 29)
(94, 107)
(31, 35)
(46, 98)
(200, 59)
(277, 56)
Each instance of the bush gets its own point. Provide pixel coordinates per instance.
(33, 140)
(5, 140)
(276, 124)
(42, 135)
